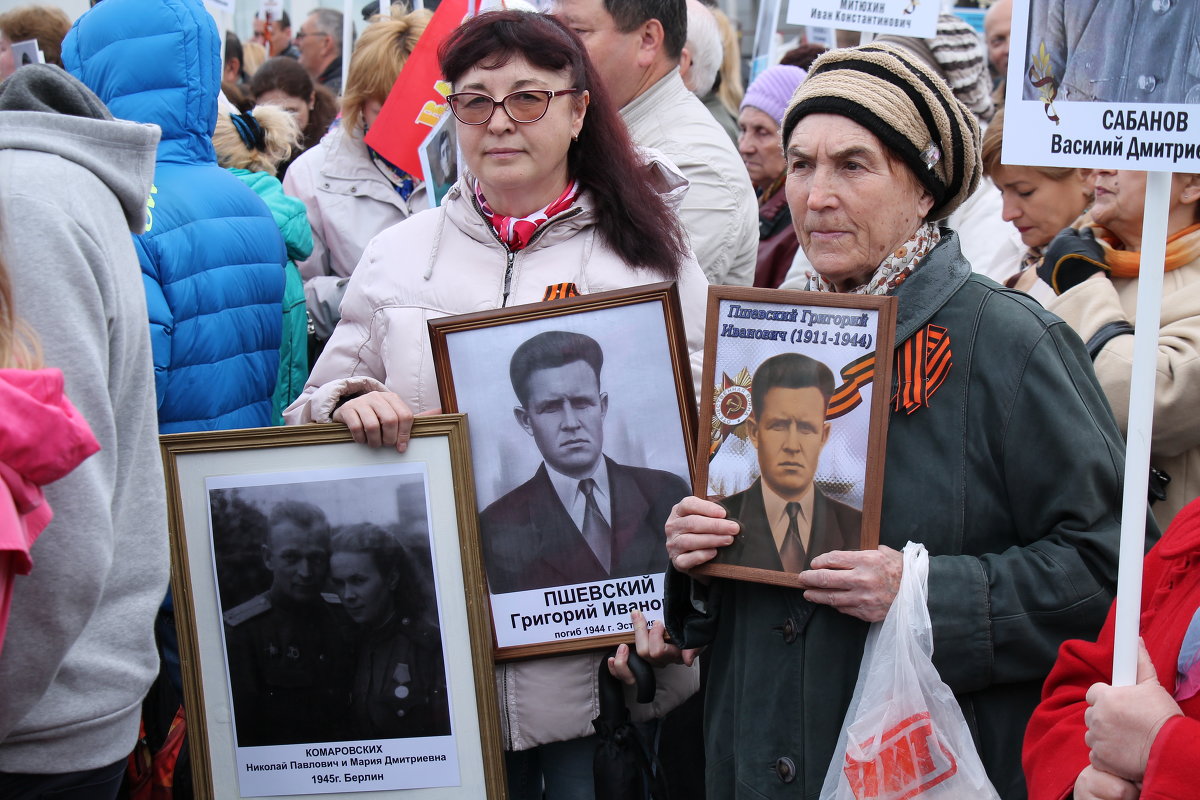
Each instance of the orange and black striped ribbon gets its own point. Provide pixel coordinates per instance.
(855, 375)
(922, 364)
(560, 291)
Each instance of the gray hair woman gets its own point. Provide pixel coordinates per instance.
(1002, 458)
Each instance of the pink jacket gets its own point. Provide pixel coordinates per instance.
(42, 438)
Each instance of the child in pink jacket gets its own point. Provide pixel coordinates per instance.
(42, 438)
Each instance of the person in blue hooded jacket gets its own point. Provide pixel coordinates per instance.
(212, 257)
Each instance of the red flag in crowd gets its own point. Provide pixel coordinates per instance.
(418, 98)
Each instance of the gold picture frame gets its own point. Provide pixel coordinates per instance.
(219, 485)
(811, 339)
(550, 591)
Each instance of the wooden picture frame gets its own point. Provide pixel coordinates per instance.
(550, 591)
(812, 339)
(280, 696)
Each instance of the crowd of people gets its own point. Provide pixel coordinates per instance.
(280, 270)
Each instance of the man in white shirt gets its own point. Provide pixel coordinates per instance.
(636, 46)
(582, 516)
(786, 519)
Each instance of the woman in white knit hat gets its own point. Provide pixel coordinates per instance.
(1002, 459)
(761, 148)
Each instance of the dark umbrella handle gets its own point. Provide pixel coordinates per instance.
(623, 764)
(643, 673)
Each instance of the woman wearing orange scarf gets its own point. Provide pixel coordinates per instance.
(1089, 277)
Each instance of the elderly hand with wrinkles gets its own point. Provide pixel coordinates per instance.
(860, 583)
(695, 530)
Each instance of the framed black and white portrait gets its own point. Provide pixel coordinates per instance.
(794, 410)
(328, 639)
(581, 418)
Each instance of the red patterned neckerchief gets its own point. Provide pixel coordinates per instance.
(516, 232)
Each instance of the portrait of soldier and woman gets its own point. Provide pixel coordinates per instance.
(341, 642)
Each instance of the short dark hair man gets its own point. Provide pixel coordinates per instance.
(280, 41)
(285, 646)
(786, 519)
(582, 516)
(636, 47)
(320, 45)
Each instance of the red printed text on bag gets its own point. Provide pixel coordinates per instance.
(908, 761)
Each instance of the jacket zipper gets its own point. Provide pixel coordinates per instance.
(508, 718)
(511, 254)
(508, 270)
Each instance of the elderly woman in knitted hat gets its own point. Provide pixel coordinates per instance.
(761, 148)
(1002, 459)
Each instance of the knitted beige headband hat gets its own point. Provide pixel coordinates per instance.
(913, 112)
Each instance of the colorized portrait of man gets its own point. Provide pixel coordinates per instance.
(288, 668)
(582, 516)
(786, 519)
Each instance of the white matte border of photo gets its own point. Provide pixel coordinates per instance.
(191, 459)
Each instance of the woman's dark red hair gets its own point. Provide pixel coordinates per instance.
(632, 217)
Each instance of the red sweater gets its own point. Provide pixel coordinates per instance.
(1054, 752)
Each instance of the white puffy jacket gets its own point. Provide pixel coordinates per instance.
(448, 261)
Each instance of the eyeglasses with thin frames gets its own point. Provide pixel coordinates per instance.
(302, 34)
(526, 105)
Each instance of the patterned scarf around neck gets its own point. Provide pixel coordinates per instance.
(894, 270)
(1182, 248)
(402, 182)
(516, 232)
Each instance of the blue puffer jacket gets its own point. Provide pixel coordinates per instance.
(212, 257)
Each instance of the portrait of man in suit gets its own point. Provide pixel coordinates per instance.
(582, 516)
(786, 519)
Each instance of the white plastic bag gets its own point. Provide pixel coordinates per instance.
(904, 735)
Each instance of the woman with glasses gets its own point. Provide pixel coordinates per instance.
(553, 195)
(351, 192)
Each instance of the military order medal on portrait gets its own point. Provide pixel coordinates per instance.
(796, 426)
